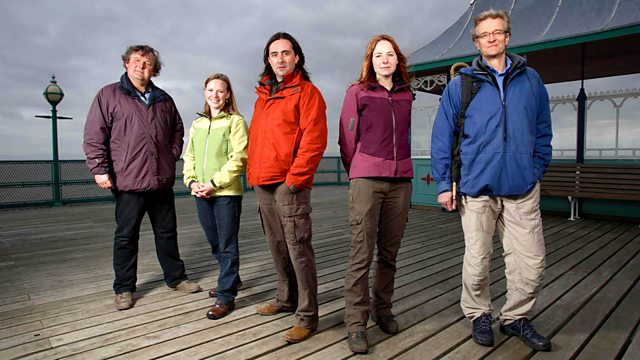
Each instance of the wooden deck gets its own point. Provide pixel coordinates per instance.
(56, 298)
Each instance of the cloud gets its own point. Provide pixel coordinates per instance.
(82, 41)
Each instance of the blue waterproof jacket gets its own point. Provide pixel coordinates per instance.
(506, 144)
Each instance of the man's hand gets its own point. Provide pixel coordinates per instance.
(104, 181)
(447, 201)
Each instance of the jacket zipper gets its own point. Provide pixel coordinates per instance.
(206, 151)
(395, 146)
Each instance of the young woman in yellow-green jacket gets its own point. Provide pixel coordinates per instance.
(216, 156)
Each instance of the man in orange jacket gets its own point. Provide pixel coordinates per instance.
(287, 138)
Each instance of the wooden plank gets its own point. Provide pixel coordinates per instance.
(607, 261)
(455, 341)
(579, 329)
(617, 331)
(377, 339)
(38, 320)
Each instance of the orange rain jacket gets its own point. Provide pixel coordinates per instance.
(288, 133)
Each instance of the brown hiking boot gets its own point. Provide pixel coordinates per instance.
(387, 323)
(297, 334)
(123, 301)
(272, 309)
(188, 287)
(358, 342)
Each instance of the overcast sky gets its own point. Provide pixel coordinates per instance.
(81, 42)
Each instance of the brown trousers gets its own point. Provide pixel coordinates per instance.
(519, 225)
(286, 222)
(378, 212)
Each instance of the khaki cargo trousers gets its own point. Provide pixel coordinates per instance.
(519, 225)
(378, 212)
(286, 222)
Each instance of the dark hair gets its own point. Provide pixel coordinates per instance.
(297, 50)
(230, 106)
(143, 50)
(368, 75)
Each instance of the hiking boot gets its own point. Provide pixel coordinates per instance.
(214, 292)
(272, 309)
(188, 287)
(358, 343)
(387, 323)
(523, 329)
(123, 301)
(220, 310)
(297, 334)
(482, 333)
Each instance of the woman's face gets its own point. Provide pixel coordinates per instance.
(216, 94)
(384, 59)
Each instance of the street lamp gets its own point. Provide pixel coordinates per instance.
(54, 95)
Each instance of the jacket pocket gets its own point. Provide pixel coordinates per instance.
(121, 161)
(296, 222)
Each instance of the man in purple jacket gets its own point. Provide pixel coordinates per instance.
(132, 139)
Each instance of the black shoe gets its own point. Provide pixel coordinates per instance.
(358, 342)
(387, 323)
(523, 329)
(482, 333)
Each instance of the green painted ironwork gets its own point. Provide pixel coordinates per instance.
(27, 183)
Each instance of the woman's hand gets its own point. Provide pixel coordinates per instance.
(202, 190)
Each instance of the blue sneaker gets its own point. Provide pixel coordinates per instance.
(482, 333)
(523, 329)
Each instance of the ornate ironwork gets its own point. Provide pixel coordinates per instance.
(428, 83)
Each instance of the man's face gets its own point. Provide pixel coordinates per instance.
(140, 67)
(282, 58)
(491, 40)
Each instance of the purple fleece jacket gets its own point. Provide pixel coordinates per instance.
(374, 131)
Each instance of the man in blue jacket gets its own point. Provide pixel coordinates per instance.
(505, 149)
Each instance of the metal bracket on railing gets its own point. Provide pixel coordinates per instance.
(573, 202)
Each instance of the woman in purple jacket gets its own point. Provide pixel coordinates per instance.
(374, 145)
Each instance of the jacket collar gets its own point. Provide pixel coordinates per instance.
(397, 86)
(291, 79)
(221, 114)
(127, 88)
(517, 61)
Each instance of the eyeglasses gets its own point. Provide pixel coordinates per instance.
(495, 33)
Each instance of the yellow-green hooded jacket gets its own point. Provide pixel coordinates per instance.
(217, 150)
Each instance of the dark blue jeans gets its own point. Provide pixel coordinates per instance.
(130, 210)
(220, 220)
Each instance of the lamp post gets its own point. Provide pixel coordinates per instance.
(54, 95)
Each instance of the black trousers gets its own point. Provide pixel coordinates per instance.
(130, 210)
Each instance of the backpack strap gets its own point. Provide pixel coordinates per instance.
(469, 87)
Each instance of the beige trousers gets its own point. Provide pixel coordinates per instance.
(519, 224)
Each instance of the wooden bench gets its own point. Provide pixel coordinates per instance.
(592, 181)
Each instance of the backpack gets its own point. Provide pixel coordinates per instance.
(469, 86)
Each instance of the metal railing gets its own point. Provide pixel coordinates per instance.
(31, 183)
